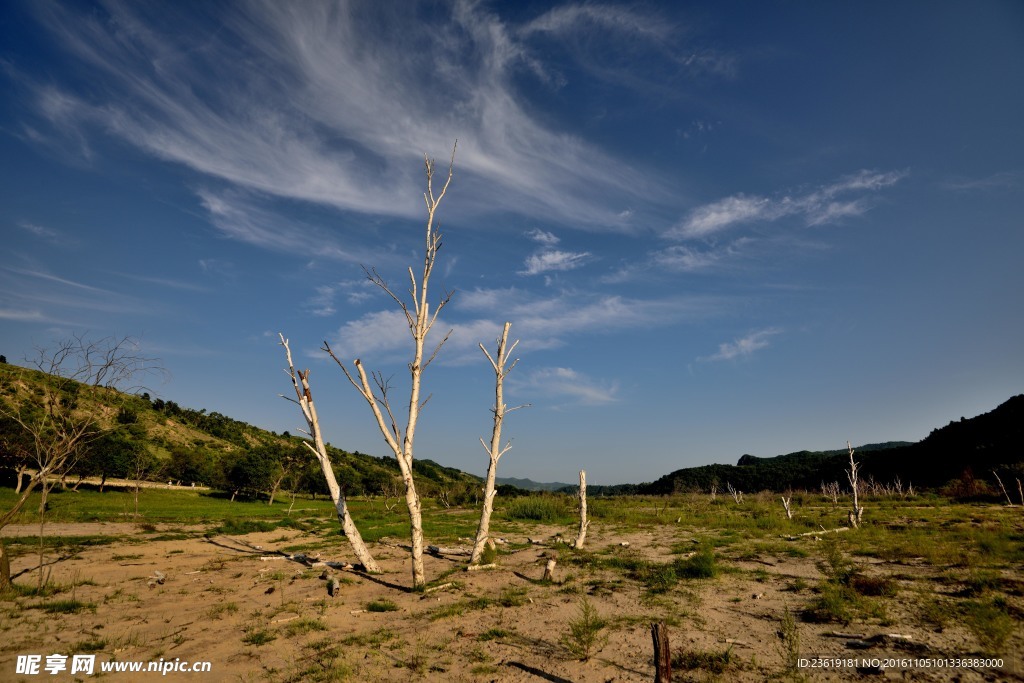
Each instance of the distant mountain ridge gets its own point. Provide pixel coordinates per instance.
(964, 448)
(531, 485)
(194, 445)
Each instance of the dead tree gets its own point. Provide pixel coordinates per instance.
(851, 474)
(584, 522)
(785, 504)
(55, 426)
(420, 319)
(304, 399)
(495, 450)
(737, 496)
(1003, 489)
(831, 491)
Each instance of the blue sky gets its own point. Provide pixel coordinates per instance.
(717, 228)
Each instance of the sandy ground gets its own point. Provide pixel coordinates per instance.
(257, 619)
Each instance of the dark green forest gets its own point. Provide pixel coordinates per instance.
(960, 459)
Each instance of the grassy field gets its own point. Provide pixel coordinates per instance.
(950, 573)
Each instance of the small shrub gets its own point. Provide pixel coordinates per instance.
(990, 624)
(381, 606)
(218, 611)
(703, 565)
(492, 634)
(303, 626)
(67, 607)
(536, 508)
(789, 643)
(712, 662)
(258, 636)
(512, 597)
(873, 585)
(834, 604)
(240, 527)
(584, 638)
(489, 555)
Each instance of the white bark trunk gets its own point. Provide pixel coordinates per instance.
(420, 320)
(494, 451)
(584, 522)
(304, 398)
(851, 474)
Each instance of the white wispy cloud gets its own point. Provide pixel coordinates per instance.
(57, 298)
(274, 99)
(48, 234)
(1004, 180)
(553, 260)
(543, 237)
(745, 346)
(171, 283)
(21, 315)
(560, 383)
(588, 30)
(824, 205)
(246, 218)
(539, 322)
(323, 302)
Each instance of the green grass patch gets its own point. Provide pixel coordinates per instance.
(66, 607)
(381, 606)
(712, 661)
(548, 509)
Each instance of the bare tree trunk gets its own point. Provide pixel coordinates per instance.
(495, 450)
(21, 471)
(1003, 489)
(420, 320)
(662, 653)
(274, 488)
(5, 570)
(857, 512)
(584, 522)
(304, 399)
(785, 504)
(42, 524)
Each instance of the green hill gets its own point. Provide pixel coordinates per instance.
(960, 451)
(159, 440)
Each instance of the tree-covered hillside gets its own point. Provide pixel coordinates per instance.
(156, 439)
(960, 451)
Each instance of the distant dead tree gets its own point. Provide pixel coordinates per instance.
(737, 496)
(420, 319)
(831, 491)
(785, 505)
(304, 399)
(57, 423)
(857, 512)
(501, 366)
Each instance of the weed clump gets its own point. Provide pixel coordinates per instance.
(703, 565)
(537, 509)
(381, 606)
(706, 660)
(990, 623)
(584, 638)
